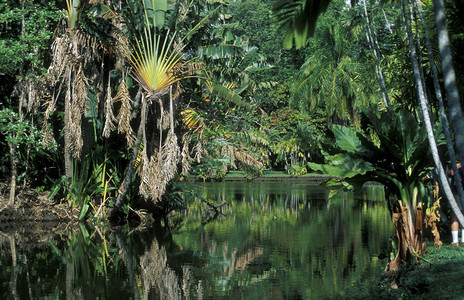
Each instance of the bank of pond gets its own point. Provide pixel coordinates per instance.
(264, 240)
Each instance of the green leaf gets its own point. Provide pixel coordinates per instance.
(299, 17)
(156, 12)
(85, 208)
(347, 139)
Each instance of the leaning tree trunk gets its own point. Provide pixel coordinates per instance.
(454, 105)
(444, 118)
(426, 117)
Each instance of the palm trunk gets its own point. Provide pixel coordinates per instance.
(376, 53)
(444, 118)
(454, 105)
(426, 117)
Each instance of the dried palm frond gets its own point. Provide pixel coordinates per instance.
(248, 159)
(186, 166)
(124, 115)
(61, 58)
(164, 121)
(199, 151)
(47, 138)
(27, 90)
(161, 169)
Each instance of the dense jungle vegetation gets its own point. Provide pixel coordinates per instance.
(107, 104)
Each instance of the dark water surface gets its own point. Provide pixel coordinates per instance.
(270, 241)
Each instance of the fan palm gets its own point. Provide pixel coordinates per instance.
(158, 63)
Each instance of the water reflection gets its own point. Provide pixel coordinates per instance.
(273, 241)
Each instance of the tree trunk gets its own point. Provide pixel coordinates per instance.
(409, 235)
(454, 105)
(444, 118)
(371, 39)
(14, 172)
(426, 117)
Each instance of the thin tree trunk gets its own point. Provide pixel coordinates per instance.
(441, 107)
(171, 109)
(428, 124)
(14, 171)
(454, 105)
(375, 52)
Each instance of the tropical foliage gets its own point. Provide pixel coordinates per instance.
(126, 98)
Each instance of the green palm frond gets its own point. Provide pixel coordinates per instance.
(248, 137)
(299, 19)
(154, 61)
(231, 95)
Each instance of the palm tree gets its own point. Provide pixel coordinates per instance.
(438, 95)
(454, 105)
(294, 15)
(158, 64)
(329, 76)
(426, 117)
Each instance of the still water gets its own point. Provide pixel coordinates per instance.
(279, 240)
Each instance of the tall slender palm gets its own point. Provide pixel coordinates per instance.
(452, 94)
(423, 103)
(438, 95)
(374, 47)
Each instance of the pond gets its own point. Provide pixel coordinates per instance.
(264, 240)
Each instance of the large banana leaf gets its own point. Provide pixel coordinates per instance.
(156, 12)
(220, 51)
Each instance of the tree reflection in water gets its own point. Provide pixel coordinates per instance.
(284, 241)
